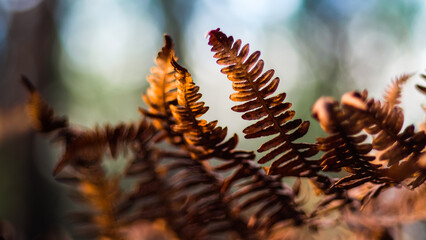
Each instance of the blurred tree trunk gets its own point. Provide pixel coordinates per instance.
(31, 38)
(29, 51)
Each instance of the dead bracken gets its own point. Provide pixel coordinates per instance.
(169, 152)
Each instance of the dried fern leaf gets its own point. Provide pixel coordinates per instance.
(42, 115)
(393, 92)
(100, 194)
(84, 148)
(84, 153)
(345, 148)
(163, 190)
(152, 199)
(385, 124)
(198, 133)
(205, 206)
(162, 92)
(271, 114)
(273, 200)
(189, 109)
(204, 140)
(186, 194)
(264, 198)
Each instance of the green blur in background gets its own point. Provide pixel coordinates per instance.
(89, 59)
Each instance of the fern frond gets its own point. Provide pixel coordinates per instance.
(100, 195)
(273, 201)
(171, 186)
(152, 198)
(272, 114)
(393, 92)
(203, 140)
(162, 92)
(187, 195)
(189, 109)
(205, 205)
(264, 197)
(41, 114)
(84, 153)
(345, 147)
(86, 148)
(385, 124)
(198, 132)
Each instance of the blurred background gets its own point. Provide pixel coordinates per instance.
(90, 59)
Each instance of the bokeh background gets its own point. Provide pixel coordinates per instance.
(90, 58)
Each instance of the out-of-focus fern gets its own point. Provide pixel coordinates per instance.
(345, 147)
(393, 93)
(401, 149)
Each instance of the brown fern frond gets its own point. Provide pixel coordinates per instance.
(393, 92)
(345, 147)
(41, 114)
(163, 190)
(187, 195)
(152, 197)
(162, 92)
(83, 156)
(100, 195)
(189, 109)
(273, 201)
(385, 123)
(264, 197)
(198, 132)
(205, 206)
(203, 141)
(84, 151)
(84, 148)
(272, 114)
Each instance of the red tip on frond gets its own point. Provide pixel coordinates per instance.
(217, 30)
(219, 40)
